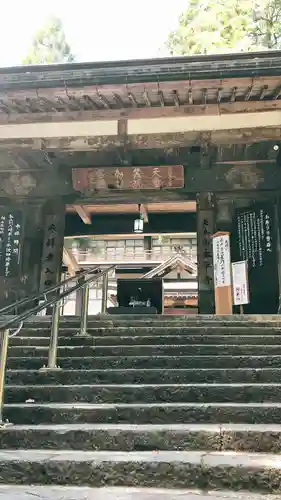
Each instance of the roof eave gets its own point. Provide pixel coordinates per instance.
(203, 67)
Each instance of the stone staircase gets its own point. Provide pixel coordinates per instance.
(190, 404)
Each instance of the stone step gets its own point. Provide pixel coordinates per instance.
(120, 493)
(208, 319)
(220, 413)
(145, 376)
(225, 437)
(104, 362)
(178, 469)
(146, 393)
(148, 350)
(112, 437)
(75, 340)
(183, 339)
(141, 329)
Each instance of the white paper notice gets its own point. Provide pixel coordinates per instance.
(221, 259)
(240, 283)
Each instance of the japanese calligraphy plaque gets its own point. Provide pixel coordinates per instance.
(118, 178)
(52, 250)
(11, 225)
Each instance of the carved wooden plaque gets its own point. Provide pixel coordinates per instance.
(52, 251)
(246, 176)
(119, 178)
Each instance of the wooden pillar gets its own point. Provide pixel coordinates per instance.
(79, 302)
(147, 243)
(205, 230)
(32, 246)
(53, 240)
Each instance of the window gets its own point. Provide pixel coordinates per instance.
(117, 249)
(164, 246)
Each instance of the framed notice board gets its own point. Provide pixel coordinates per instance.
(254, 240)
(11, 239)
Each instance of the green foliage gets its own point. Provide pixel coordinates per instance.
(266, 31)
(50, 45)
(209, 26)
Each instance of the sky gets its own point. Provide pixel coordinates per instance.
(97, 30)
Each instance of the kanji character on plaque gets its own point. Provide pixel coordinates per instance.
(100, 180)
(137, 179)
(119, 178)
(156, 178)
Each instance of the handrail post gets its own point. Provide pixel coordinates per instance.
(53, 348)
(4, 340)
(84, 309)
(104, 293)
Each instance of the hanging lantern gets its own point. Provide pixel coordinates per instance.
(138, 226)
(138, 223)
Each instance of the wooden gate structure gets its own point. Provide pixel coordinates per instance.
(204, 129)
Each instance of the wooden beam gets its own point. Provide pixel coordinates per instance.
(133, 100)
(103, 100)
(248, 93)
(219, 95)
(203, 123)
(135, 113)
(146, 141)
(233, 94)
(277, 93)
(146, 99)
(216, 137)
(263, 92)
(169, 85)
(90, 101)
(176, 98)
(118, 100)
(70, 262)
(143, 211)
(83, 214)
(137, 197)
(173, 206)
(161, 98)
(93, 130)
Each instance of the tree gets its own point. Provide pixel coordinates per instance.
(210, 26)
(266, 31)
(50, 45)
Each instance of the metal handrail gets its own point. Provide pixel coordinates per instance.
(51, 289)
(83, 283)
(54, 300)
(17, 330)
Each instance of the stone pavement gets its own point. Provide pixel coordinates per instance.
(65, 493)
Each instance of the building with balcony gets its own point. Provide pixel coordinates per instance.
(172, 256)
(98, 235)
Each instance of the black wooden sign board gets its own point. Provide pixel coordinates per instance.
(52, 250)
(254, 240)
(11, 231)
(205, 231)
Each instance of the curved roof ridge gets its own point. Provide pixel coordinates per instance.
(186, 262)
